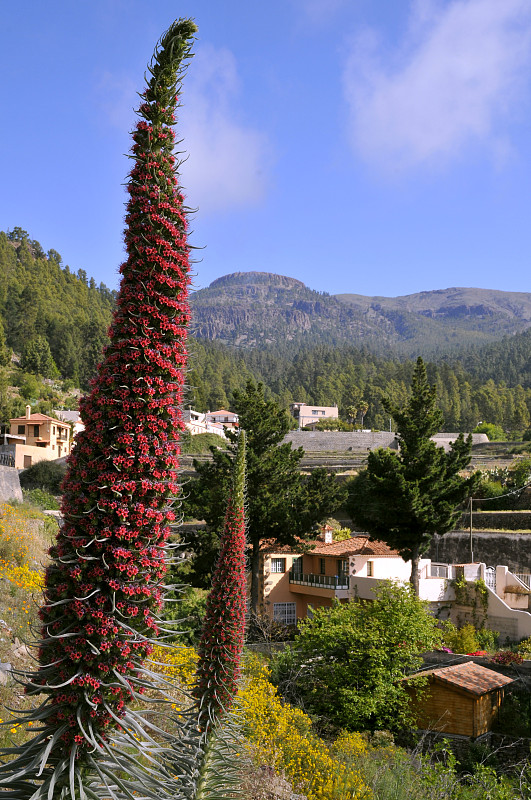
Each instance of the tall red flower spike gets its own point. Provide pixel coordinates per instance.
(222, 636)
(104, 584)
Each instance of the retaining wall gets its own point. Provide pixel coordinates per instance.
(491, 547)
(498, 520)
(9, 484)
(340, 441)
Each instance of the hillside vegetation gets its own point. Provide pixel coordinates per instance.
(304, 346)
(44, 304)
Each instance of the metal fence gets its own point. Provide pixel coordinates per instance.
(525, 577)
(320, 581)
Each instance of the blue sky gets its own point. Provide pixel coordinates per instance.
(367, 146)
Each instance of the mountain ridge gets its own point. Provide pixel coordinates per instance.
(254, 309)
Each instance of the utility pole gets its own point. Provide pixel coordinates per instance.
(471, 541)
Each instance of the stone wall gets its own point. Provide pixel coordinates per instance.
(513, 550)
(498, 520)
(9, 484)
(362, 441)
(340, 441)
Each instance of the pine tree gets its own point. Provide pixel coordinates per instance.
(5, 351)
(404, 498)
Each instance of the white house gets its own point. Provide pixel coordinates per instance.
(196, 422)
(306, 415)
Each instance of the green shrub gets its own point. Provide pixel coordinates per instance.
(494, 432)
(524, 648)
(187, 610)
(346, 664)
(460, 640)
(488, 640)
(45, 475)
(40, 499)
(201, 443)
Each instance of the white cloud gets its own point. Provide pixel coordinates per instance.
(460, 73)
(319, 10)
(115, 97)
(228, 160)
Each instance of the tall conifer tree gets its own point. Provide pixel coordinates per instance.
(405, 498)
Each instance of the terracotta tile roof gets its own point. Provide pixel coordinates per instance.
(35, 418)
(272, 546)
(357, 546)
(469, 676)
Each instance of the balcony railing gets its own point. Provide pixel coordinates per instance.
(524, 577)
(7, 460)
(320, 581)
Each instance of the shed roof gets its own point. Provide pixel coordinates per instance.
(470, 677)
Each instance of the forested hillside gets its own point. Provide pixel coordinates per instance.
(508, 360)
(56, 323)
(352, 377)
(43, 304)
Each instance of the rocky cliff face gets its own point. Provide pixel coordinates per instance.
(249, 309)
(252, 308)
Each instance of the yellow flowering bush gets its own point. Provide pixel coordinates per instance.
(30, 580)
(22, 550)
(176, 663)
(25, 534)
(281, 736)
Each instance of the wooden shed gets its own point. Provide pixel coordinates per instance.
(462, 699)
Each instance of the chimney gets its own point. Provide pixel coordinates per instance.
(328, 534)
(28, 412)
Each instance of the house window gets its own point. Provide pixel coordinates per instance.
(53, 429)
(36, 431)
(21, 429)
(278, 565)
(342, 566)
(297, 565)
(439, 571)
(315, 412)
(322, 566)
(286, 613)
(370, 569)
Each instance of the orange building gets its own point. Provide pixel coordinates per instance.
(293, 583)
(37, 437)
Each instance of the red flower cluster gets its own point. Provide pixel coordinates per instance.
(104, 585)
(223, 632)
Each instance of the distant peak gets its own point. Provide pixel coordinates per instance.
(250, 278)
